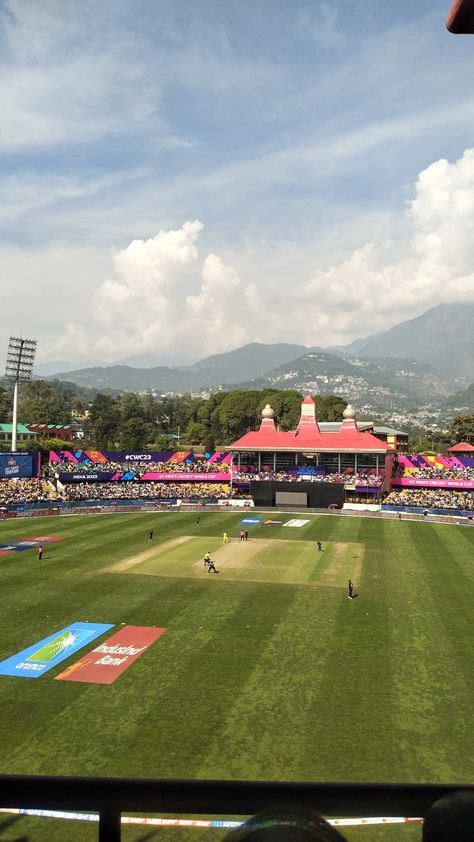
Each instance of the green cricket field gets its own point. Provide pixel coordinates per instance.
(266, 671)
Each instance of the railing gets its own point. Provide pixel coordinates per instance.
(110, 797)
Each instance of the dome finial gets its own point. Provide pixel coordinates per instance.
(267, 412)
(349, 413)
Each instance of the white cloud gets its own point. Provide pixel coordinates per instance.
(365, 293)
(63, 83)
(165, 295)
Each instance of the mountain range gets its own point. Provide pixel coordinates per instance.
(442, 337)
(422, 360)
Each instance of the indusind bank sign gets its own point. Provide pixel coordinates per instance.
(112, 657)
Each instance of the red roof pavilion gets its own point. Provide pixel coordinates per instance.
(308, 437)
(462, 447)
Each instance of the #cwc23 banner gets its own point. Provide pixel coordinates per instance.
(98, 458)
(16, 465)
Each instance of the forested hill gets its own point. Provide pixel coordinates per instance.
(247, 362)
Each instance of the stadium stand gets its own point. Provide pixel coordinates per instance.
(18, 491)
(432, 498)
(146, 491)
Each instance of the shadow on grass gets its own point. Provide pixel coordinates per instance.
(5, 824)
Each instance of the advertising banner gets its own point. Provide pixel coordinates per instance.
(109, 660)
(96, 457)
(96, 476)
(16, 465)
(148, 476)
(27, 543)
(237, 503)
(296, 523)
(101, 457)
(177, 476)
(416, 482)
(308, 470)
(43, 656)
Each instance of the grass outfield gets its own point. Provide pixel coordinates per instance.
(267, 670)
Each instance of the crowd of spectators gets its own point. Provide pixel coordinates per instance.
(18, 491)
(363, 478)
(145, 490)
(432, 498)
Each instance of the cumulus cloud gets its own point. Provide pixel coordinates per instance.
(367, 292)
(166, 296)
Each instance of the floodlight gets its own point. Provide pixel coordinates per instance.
(20, 359)
(19, 368)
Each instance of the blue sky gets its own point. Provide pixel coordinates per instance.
(182, 178)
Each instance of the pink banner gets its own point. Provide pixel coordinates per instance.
(412, 482)
(184, 476)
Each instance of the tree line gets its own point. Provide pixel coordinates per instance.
(131, 421)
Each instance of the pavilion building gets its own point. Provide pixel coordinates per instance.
(309, 448)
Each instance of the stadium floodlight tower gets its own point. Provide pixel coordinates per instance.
(19, 368)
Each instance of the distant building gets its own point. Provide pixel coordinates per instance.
(462, 449)
(23, 433)
(396, 439)
(64, 432)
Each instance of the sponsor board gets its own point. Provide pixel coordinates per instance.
(251, 520)
(236, 503)
(43, 656)
(109, 660)
(268, 522)
(143, 476)
(27, 543)
(428, 482)
(14, 465)
(296, 522)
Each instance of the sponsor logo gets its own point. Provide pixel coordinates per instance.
(26, 544)
(267, 522)
(296, 522)
(58, 645)
(82, 477)
(109, 660)
(141, 457)
(43, 656)
(251, 520)
(9, 472)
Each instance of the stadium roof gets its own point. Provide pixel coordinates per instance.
(462, 447)
(389, 431)
(50, 426)
(334, 426)
(20, 428)
(308, 436)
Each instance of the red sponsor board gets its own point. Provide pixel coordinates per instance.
(112, 657)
